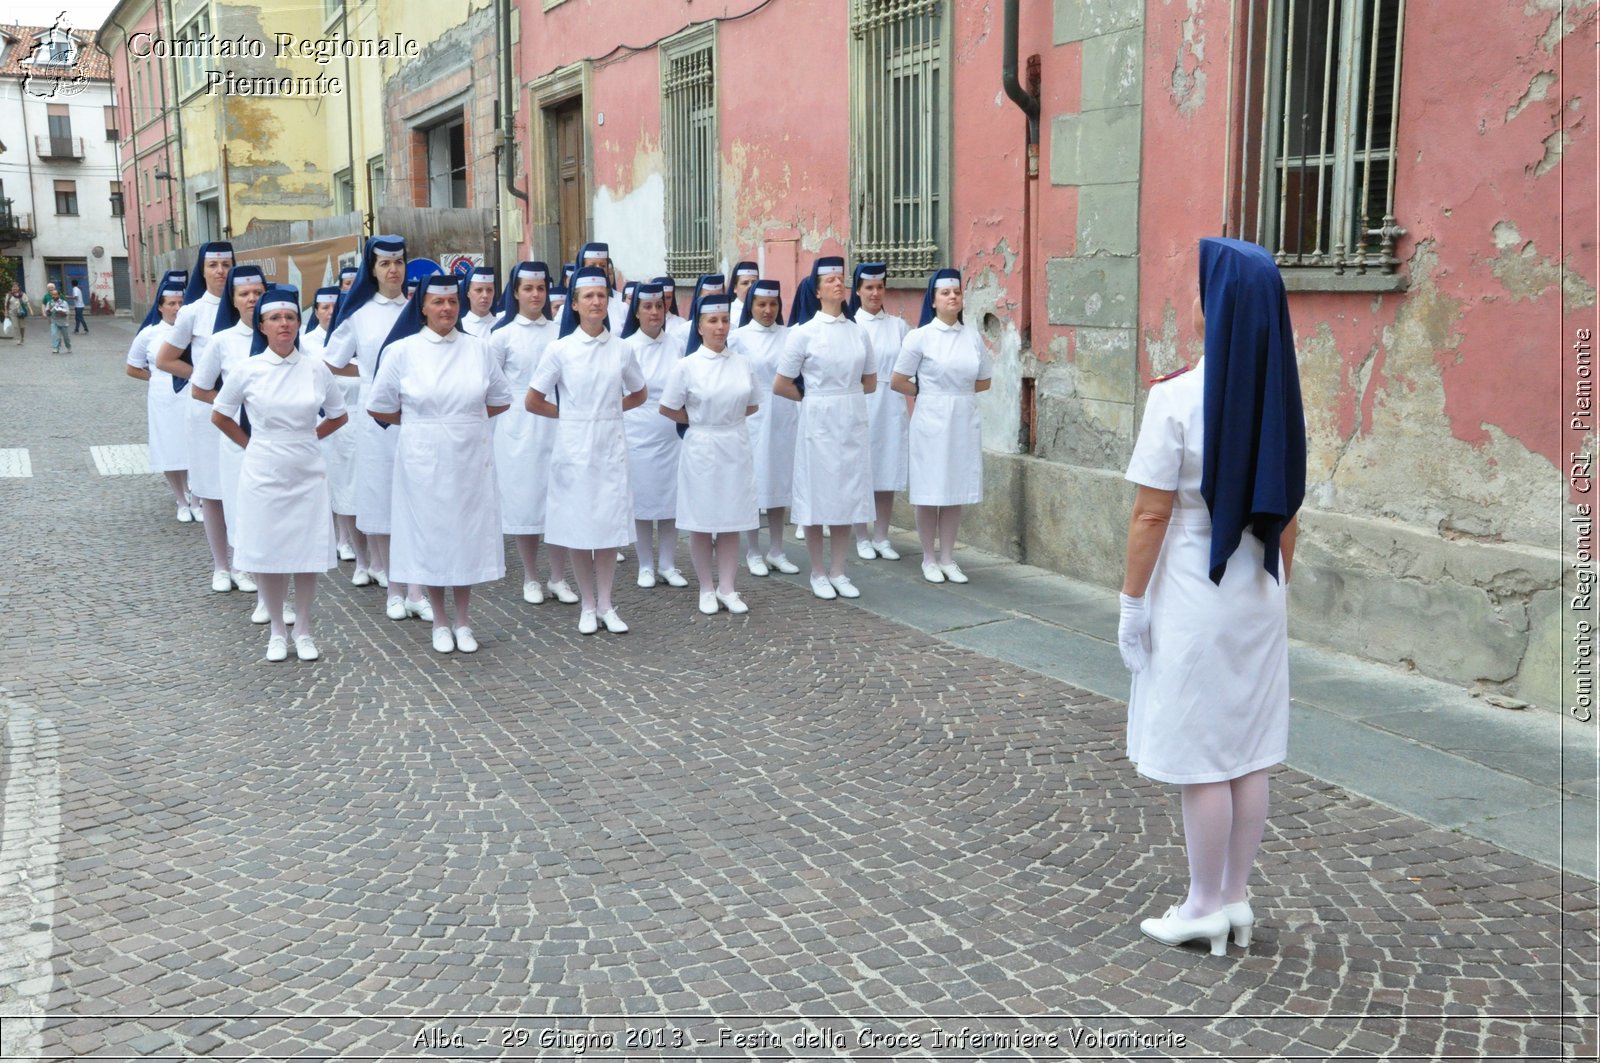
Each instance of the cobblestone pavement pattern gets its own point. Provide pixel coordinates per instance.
(807, 821)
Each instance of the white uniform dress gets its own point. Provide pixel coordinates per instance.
(281, 509)
(886, 408)
(339, 449)
(446, 505)
(477, 326)
(946, 437)
(590, 505)
(164, 409)
(716, 471)
(358, 340)
(773, 426)
(832, 464)
(226, 352)
(522, 440)
(653, 443)
(1213, 704)
(192, 329)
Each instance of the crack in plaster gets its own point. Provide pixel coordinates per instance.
(1555, 146)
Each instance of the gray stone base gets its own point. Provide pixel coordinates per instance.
(1486, 615)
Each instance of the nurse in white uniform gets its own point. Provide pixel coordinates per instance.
(1220, 465)
(832, 462)
(361, 325)
(191, 330)
(759, 339)
(886, 411)
(745, 273)
(480, 301)
(339, 448)
(522, 441)
(653, 441)
(590, 506)
(942, 368)
(712, 390)
(227, 350)
(441, 386)
(274, 407)
(165, 409)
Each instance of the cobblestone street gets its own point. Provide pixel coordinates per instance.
(807, 833)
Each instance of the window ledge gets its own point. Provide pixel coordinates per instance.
(1313, 279)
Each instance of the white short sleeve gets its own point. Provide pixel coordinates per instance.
(385, 394)
(231, 397)
(675, 395)
(498, 393)
(869, 363)
(547, 374)
(182, 333)
(340, 346)
(632, 375)
(207, 366)
(139, 353)
(985, 359)
(793, 358)
(757, 388)
(1158, 452)
(331, 395)
(910, 358)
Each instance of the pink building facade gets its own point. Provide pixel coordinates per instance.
(1429, 306)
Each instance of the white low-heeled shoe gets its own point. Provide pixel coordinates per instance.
(395, 608)
(360, 578)
(932, 572)
(260, 614)
(886, 550)
(464, 640)
(277, 648)
(443, 641)
(563, 593)
(674, 578)
(1241, 920)
(708, 603)
(1171, 929)
(782, 564)
(732, 603)
(953, 573)
(865, 551)
(184, 516)
(647, 577)
(243, 581)
(588, 623)
(347, 552)
(380, 577)
(845, 588)
(305, 649)
(221, 582)
(757, 565)
(613, 622)
(422, 609)
(532, 593)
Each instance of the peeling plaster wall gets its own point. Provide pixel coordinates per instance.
(1436, 459)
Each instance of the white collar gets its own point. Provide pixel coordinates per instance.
(600, 337)
(863, 312)
(273, 359)
(540, 320)
(957, 327)
(475, 317)
(241, 328)
(827, 318)
(384, 300)
(207, 297)
(709, 353)
(434, 337)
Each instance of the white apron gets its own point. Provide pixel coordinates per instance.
(339, 451)
(653, 443)
(278, 518)
(522, 440)
(716, 472)
(886, 408)
(590, 505)
(774, 425)
(446, 508)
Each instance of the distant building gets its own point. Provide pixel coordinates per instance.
(61, 194)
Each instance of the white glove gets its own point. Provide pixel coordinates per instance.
(1133, 633)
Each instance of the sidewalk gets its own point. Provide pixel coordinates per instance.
(1524, 780)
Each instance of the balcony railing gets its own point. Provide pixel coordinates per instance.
(58, 147)
(14, 228)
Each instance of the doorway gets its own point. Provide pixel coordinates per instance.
(570, 180)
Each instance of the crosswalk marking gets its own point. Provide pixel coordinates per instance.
(124, 459)
(15, 462)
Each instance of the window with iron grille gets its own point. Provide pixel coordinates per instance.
(689, 128)
(1317, 144)
(899, 132)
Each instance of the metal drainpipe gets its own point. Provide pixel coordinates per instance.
(1029, 104)
(508, 96)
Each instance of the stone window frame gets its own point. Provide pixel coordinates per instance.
(689, 140)
(1349, 69)
(890, 51)
(191, 68)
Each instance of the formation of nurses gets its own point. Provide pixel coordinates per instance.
(565, 416)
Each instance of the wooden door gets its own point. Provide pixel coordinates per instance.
(570, 180)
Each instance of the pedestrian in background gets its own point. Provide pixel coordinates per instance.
(78, 324)
(18, 307)
(57, 311)
(1220, 465)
